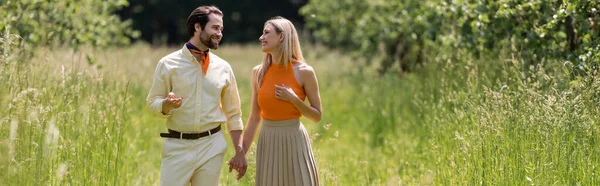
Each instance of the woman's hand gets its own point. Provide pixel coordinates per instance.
(285, 93)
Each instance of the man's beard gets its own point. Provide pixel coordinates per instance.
(207, 40)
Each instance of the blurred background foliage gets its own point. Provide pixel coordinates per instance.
(397, 32)
(448, 92)
(401, 30)
(163, 21)
(66, 22)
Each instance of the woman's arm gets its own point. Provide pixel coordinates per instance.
(311, 88)
(254, 118)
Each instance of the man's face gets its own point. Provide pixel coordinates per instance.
(213, 31)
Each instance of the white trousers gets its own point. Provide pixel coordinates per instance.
(193, 162)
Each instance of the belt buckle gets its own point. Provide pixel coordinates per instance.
(209, 133)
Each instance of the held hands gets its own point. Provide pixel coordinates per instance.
(173, 101)
(285, 93)
(239, 163)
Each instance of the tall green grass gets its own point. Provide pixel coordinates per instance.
(78, 118)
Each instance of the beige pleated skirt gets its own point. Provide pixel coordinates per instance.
(284, 155)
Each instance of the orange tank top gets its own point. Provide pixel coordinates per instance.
(271, 107)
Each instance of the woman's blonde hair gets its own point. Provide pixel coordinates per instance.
(288, 51)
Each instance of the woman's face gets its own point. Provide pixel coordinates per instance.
(270, 39)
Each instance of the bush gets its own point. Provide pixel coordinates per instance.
(68, 22)
(402, 31)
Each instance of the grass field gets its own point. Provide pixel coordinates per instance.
(70, 119)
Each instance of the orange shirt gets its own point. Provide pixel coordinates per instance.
(271, 107)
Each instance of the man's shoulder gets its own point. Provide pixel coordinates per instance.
(172, 57)
(214, 58)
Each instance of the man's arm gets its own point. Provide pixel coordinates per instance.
(232, 108)
(158, 92)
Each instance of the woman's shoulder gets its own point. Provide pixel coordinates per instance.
(304, 69)
(256, 68)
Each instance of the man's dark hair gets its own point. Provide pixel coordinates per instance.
(200, 15)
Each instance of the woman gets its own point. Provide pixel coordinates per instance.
(279, 87)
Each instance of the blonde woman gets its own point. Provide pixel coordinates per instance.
(279, 87)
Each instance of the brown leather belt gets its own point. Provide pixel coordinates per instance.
(180, 135)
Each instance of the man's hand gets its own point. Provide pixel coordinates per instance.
(239, 163)
(171, 102)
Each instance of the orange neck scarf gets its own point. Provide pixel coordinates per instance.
(204, 56)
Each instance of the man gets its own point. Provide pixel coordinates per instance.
(196, 91)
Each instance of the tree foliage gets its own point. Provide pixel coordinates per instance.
(70, 22)
(402, 29)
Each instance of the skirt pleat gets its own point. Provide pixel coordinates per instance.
(284, 155)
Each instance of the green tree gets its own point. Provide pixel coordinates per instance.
(70, 22)
(402, 31)
(397, 29)
(535, 30)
